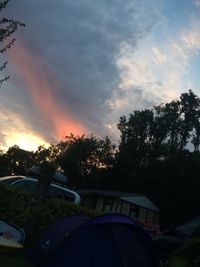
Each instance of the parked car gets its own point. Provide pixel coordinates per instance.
(29, 184)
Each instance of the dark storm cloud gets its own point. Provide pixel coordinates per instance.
(79, 42)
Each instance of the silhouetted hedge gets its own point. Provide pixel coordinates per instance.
(54, 209)
(17, 207)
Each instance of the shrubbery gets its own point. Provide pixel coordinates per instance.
(54, 209)
(17, 207)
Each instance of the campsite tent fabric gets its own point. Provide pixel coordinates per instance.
(188, 255)
(111, 240)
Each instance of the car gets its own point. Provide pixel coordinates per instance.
(29, 184)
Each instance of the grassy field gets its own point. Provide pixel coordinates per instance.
(14, 260)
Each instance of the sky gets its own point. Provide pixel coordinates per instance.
(78, 66)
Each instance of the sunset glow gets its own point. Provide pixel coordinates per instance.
(25, 141)
(43, 92)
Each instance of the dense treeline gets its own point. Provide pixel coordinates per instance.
(158, 155)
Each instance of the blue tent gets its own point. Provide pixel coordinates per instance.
(111, 240)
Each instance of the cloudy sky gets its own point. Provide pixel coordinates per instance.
(79, 65)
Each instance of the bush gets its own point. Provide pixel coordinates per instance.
(17, 207)
(54, 209)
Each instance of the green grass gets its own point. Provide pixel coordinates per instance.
(14, 260)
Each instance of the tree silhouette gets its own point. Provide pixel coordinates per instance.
(7, 29)
(85, 156)
(159, 156)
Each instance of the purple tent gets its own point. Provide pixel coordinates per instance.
(111, 240)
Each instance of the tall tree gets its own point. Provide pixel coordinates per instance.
(156, 156)
(142, 136)
(50, 154)
(166, 129)
(190, 112)
(85, 155)
(18, 160)
(172, 121)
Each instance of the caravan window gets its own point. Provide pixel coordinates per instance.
(126, 208)
(134, 211)
(150, 216)
(156, 218)
(108, 203)
(142, 213)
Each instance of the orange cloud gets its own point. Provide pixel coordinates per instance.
(43, 91)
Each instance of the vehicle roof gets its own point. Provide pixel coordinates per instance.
(15, 177)
(52, 183)
(12, 177)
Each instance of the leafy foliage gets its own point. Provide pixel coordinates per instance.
(85, 156)
(15, 260)
(159, 156)
(18, 208)
(15, 206)
(7, 28)
(18, 160)
(164, 130)
(54, 209)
